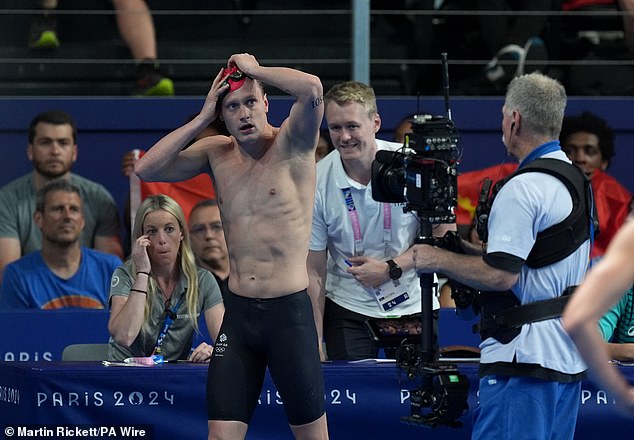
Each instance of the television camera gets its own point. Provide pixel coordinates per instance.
(422, 175)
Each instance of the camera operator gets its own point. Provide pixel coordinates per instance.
(529, 372)
(357, 245)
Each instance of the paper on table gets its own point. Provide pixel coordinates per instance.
(123, 364)
(373, 361)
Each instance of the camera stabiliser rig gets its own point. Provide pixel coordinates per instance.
(422, 175)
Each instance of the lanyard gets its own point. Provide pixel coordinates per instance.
(548, 147)
(356, 225)
(170, 315)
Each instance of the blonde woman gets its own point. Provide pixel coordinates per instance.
(157, 296)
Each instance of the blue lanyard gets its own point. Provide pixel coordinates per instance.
(170, 315)
(548, 147)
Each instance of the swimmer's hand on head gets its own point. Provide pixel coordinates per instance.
(229, 79)
(234, 78)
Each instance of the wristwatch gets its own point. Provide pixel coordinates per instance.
(394, 270)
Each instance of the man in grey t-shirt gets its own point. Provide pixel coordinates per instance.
(52, 150)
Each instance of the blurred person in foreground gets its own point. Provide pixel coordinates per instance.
(617, 325)
(603, 286)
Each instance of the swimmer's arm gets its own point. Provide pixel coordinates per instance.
(167, 161)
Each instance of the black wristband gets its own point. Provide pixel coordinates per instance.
(144, 273)
(139, 290)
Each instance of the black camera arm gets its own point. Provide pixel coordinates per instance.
(429, 350)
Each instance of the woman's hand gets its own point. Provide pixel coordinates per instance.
(202, 353)
(140, 256)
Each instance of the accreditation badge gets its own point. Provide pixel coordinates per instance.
(390, 294)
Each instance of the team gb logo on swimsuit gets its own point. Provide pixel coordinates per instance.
(221, 345)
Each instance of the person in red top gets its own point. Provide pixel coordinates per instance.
(589, 142)
(469, 186)
(186, 193)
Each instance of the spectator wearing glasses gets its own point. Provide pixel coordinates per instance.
(208, 241)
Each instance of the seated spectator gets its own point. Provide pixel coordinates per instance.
(597, 36)
(512, 34)
(157, 296)
(52, 149)
(617, 328)
(617, 325)
(624, 5)
(514, 39)
(137, 30)
(589, 142)
(63, 274)
(208, 241)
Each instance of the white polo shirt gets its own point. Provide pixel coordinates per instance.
(332, 230)
(526, 205)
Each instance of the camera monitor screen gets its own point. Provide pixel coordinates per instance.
(390, 332)
(395, 332)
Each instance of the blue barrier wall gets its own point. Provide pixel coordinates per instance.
(34, 335)
(110, 126)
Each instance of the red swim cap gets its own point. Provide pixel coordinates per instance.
(235, 79)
